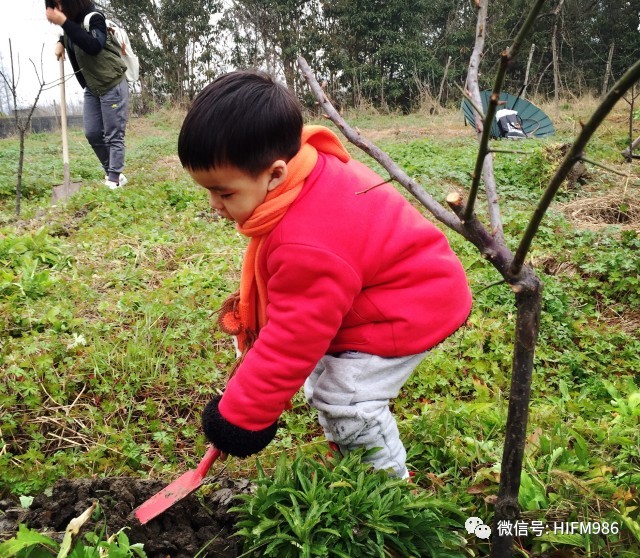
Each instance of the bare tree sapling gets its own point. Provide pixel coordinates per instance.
(521, 277)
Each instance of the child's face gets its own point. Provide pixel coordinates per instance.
(235, 194)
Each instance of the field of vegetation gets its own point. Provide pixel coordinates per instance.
(109, 351)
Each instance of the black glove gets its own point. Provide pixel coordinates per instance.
(230, 438)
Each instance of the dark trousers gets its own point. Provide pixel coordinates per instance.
(105, 119)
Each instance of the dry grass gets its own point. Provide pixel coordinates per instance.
(627, 322)
(448, 122)
(620, 207)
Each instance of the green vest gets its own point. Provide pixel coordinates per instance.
(102, 71)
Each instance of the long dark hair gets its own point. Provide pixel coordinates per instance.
(74, 9)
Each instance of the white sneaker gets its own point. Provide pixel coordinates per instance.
(115, 185)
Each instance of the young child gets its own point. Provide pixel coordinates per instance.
(341, 290)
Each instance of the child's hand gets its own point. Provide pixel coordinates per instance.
(232, 439)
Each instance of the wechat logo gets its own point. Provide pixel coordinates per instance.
(475, 526)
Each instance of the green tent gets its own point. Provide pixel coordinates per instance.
(534, 122)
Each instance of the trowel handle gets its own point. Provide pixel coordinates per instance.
(209, 457)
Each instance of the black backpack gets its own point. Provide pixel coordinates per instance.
(509, 125)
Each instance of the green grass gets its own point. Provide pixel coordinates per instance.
(109, 350)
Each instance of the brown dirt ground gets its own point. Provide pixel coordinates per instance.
(180, 532)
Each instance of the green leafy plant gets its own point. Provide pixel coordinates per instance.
(28, 543)
(341, 508)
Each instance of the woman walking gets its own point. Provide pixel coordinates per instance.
(96, 61)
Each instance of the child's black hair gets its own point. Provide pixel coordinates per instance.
(242, 119)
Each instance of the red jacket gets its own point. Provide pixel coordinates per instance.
(343, 272)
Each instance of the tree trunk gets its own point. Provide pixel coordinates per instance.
(288, 65)
(631, 116)
(628, 152)
(22, 131)
(528, 302)
(541, 76)
(357, 94)
(526, 74)
(554, 53)
(607, 72)
(444, 79)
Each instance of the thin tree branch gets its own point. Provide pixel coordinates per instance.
(5, 78)
(56, 82)
(491, 285)
(605, 167)
(628, 152)
(574, 154)
(369, 188)
(513, 151)
(506, 59)
(14, 85)
(395, 172)
(481, 127)
(469, 98)
(14, 80)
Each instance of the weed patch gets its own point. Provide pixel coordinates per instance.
(339, 508)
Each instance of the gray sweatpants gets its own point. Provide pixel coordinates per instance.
(105, 119)
(351, 392)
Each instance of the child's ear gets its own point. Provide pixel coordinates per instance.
(277, 174)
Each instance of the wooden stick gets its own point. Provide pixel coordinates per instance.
(63, 123)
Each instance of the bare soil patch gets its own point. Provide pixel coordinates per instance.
(180, 532)
(410, 132)
(170, 167)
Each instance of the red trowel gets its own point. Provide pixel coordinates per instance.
(177, 490)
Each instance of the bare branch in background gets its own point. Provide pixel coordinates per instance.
(395, 172)
(484, 162)
(575, 154)
(21, 124)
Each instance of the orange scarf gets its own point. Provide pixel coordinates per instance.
(245, 312)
